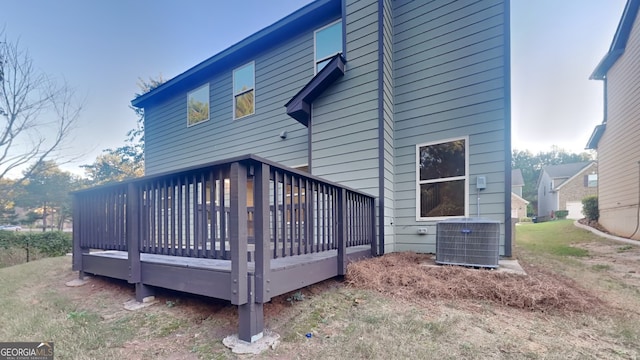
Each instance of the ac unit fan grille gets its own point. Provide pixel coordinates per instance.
(468, 242)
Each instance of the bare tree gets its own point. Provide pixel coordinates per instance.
(37, 115)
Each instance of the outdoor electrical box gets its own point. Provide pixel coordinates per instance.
(481, 182)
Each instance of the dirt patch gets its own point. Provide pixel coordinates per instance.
(404, 275)
(619, 261)
(594, 224)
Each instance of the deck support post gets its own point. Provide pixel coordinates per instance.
(238, 233)
(342, 231)
(262, 234)
(377, 243)
(133, 243)
(250, 316)
(78, 249)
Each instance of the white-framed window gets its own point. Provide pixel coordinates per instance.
(442, 179)
(592, 180)
(244, 80)
(327, 41)
(198, 105)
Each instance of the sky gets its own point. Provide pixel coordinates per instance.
(101, 48)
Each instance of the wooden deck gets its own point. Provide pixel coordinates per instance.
(243, 230)
(198, 276)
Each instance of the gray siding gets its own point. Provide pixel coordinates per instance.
(345, 118)
(449, 73)
(279, 75)
(547, 200)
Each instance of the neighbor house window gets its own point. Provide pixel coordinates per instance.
(244, 91)
(442, 179)
(328, 42)
(198, 105)
(592, 180)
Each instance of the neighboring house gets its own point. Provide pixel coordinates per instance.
(405, 100)
(562, 187)
(518, 203)
(617, 138)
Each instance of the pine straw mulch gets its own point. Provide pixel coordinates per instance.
(405, 276)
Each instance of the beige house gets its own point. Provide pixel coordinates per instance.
(562, 187)
(617, 139)
(518, 203)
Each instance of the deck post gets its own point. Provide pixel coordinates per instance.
(250, 316)
(377, 244)
(78, 250)
(133, 243)
(342, 231)
(238, 233)
(262, 233)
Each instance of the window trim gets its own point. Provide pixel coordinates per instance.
(208, 87)
(315, 41)
(233, 90)
(454, 178)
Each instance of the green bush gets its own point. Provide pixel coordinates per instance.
(590, 207)
(562, 214)
(50, 243)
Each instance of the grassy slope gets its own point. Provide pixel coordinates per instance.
(89, 323)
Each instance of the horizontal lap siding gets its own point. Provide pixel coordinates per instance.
(279, 75)
(618, 149)
(345, 116)
(449, 68)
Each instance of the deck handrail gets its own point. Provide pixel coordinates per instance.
(186, 213)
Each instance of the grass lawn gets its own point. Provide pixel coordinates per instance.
(345, 321)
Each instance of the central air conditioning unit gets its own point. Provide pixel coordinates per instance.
(468, 242)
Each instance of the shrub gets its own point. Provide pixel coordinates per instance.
(562, 214)
(51, 243)
(590, 207)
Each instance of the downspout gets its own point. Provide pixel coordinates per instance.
(380, 128)
(508, 234)
(309, 142)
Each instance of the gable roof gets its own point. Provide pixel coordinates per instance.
(308, 17)
(516, 178)
(513, 195)
(565, 170)
(619, 42)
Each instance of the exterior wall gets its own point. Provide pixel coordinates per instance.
(517, 190)
(547, 199)
(575, 189)
(618, 150)
(353, 119)
(279, 75)
(450, 78)
(518, 207)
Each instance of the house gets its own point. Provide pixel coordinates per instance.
(562, 187)
(346, 128)
(616, 139)
(413, 109)
(518, 203)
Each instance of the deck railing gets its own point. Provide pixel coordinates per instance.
(198, 212)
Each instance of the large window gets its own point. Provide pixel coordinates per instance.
(328, 42)
(198, 105)
(441, 179)
(244, 91)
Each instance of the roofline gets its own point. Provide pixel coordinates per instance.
(309, 15)
(619, 42)
(519, 197)
(575, 175)
(594, 139)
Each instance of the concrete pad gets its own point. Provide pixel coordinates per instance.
(78, 282)
(269, 340)
(504, 265)
(133, 305)
(510, 266)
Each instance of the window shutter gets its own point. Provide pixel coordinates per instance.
(586, 180)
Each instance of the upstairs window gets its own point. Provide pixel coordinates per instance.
(198, 105)
(244, 91)
(592, 180)
(442, 177)
(328, 42)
